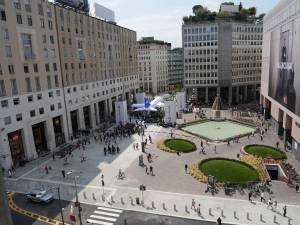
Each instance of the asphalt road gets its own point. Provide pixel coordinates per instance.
(125, 217)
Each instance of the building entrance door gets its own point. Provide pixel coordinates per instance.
(39, 137)
(16, 148)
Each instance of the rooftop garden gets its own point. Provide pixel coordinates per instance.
(201, 14)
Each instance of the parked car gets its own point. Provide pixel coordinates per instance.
(40, 196)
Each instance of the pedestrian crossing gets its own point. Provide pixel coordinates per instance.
(104, 216)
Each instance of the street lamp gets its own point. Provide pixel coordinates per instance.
(60, 207)
(77, 202)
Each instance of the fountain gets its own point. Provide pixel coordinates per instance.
(216, 109)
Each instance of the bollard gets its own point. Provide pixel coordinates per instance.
(186, 209)
(248, 216)
(152, 204)
(164, 206)
(122, 201)
(222, 213)
(84, 195)
(261, 218)
(234, 215)
(209, 212)
(175, 208)
(274, 219)
(94, 197)
(112, 199)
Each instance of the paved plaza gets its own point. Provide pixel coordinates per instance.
(169, 192)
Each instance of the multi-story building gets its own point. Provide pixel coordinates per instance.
(280, 82)
(98, 67)
(222, 57)
(175, 68)
(153, 65)
(60, 71)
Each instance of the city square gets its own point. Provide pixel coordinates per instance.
(197, 123)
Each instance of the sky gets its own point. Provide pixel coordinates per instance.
(163, 18)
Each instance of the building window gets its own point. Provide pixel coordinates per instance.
(11, 69)
(54, 67)
(50, 24)
(7, 120)
(17, 4)
(14, 88)
(42, 22)
(8, 51)
(49, 82)
(50, 94)
(2, 15)
(27, 46)
(19, 117)
(42, 111)
(59, 106)
(44, 38)
(35, 68)
(52, 107)
(5, 34)
(19, 19)
(47, 67)
(30, 98)
(27, 5)
(4, 103)
(40, 9)
(37, 84)
(29, 21)
(51, 39)
(2, 88)
(57, 92)
(45, 52)
(39, 96)
(32, 113)
(28, 84)
(26, 68)
(56, 82)
(16, 101)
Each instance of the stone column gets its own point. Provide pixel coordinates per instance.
(81, 119)
(65, 128)
(6, 160)
(96, 112)
(245, 93)
(69, 124)
(230, 95)
(50, 135)
(206, 95)
(93, 116)
(28, 143)
(237, 93)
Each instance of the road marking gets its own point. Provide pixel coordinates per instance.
(103, 218)
(110, 209)
(98, 222)
(106, 213)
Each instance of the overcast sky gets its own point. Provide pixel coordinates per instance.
(163, 18)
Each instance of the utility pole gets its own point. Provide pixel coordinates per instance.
(60, 207)
(4, 210)
(77, 202)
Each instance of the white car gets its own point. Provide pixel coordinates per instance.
(40, 196)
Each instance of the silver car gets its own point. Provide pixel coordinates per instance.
(40, 196)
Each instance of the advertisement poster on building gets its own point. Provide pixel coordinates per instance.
(284, 80)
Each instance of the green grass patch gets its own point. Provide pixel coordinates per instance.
(265, 151)
(180, 145)
(233, 171)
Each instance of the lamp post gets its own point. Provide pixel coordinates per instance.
(77, 202)
(60, 207)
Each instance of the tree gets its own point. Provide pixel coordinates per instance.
(252, 11)
(228, 3)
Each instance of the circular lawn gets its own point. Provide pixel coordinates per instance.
(180, 145)
(233, 171)
(265, 151)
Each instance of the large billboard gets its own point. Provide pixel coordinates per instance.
(284, 78)
(77, 4)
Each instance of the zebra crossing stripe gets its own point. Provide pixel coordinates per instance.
(98, 222)
(103, 218)
(110, 209)
(106, 213)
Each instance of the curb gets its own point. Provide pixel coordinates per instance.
(32, 215)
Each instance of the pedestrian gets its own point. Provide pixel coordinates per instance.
(193, 206)
(198, 210)
(284, 211)
(146, 169)
(63, 173)
(270, 203)
(118, 149)
(185, 168)
(46, 169)
(228, 142)
(262, 197)
(150, 139)
(219, 221)
(297, 187)
(250, 196)
(151, 170)
(261, 137)
(53, 157)
(275, 205)
(277, 144)
(215, 148)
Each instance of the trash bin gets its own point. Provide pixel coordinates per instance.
(137, 200)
